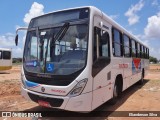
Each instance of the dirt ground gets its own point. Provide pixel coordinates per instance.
(136, 98)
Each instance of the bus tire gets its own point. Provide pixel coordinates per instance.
(114, 99)
(141, 81)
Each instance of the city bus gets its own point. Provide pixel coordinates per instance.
(5, 59)
(77, 59)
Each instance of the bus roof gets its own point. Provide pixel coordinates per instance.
(105, 16)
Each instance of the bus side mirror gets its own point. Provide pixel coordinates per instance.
(16, 40)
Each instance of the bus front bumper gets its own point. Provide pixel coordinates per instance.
(81, 103)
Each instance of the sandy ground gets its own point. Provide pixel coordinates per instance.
(136, 98)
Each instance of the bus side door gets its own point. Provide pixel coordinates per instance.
(101, 68)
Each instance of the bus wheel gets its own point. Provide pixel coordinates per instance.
(141, 81)
(115, 95)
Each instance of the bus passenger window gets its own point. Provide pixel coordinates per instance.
(140, 51)
(6, 55)
(101, 44)
(117, 43)
(127, 47)
(0, 54)
(133, 48)
(101, 50)
(143, 52)
(148, 53)
(104, 44)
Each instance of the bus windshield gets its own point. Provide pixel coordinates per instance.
(63, 56)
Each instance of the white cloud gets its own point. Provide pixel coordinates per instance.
(7, 40)
(36, 10)
(132, 12)
(114, 16)
(17, 52)
(152, 30)
(24, 39)
(17, 26)
(154, 50)
(159, 50)
(155, 3)
(143, 39)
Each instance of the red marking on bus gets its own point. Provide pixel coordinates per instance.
(136, 62)
(123, 65)
(59, 91)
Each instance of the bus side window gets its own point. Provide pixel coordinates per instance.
(127, 47)
(133, 48)
(143, 52)
(96, 37)
(0, 54)
(117, 43)
(140, 51)
(105, 44)
(148, 53)
(6, 55)
(101, 50)
(101, 44)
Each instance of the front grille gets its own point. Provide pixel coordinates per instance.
(57, 81)
(54, 102)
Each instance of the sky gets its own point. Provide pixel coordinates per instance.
(140, 17)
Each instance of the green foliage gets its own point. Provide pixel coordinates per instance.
(17, 60)
(153, 59)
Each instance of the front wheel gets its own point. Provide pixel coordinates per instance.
(115, 95)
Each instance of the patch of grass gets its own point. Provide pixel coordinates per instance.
(154, 64)
(157, 82)
(155, 70)
(9, 81)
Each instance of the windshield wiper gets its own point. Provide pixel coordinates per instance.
(61, 32)
(58, 37)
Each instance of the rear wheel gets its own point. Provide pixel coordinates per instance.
(141, 81)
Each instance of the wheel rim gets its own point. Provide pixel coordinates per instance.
(115, 94)
(142, 78)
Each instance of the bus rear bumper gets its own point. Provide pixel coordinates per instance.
(81, 103)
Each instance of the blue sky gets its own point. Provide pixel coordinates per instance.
(140, 17)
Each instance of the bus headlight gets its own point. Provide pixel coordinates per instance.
(77, 90)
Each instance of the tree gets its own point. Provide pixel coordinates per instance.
(153, 59)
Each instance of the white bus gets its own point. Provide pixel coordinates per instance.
(5, 59)
(77, 59)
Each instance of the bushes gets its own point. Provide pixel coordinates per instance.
(16, 60)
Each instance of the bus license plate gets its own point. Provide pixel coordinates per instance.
(44, 103)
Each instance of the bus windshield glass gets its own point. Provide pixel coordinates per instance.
(62, 56)
(56, 43)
